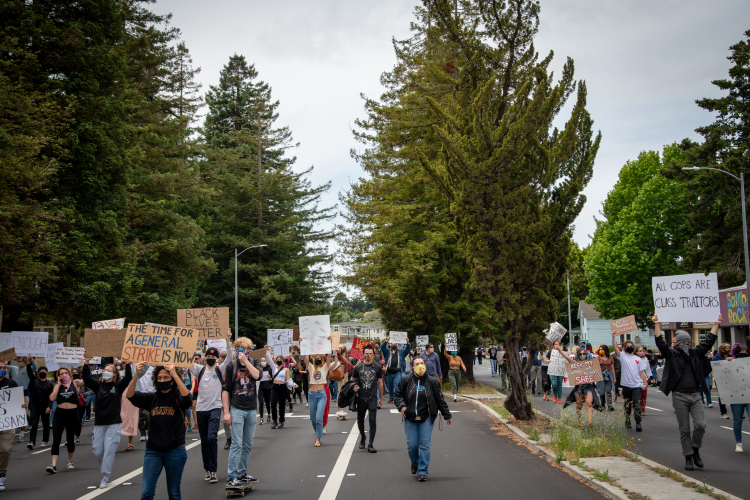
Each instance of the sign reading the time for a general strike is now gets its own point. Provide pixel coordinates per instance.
(688, 297)
(159, 345)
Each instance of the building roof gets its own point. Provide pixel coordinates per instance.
(588, 311)
(359, 325)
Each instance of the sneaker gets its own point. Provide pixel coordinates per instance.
(260, 422)
(274, 425)
(738, 447)
(325, 430)
(725, 416)
(30, 446)
(190, 428)
(20, 438)
(45, 443)
(51, 469)
(143, 438)
(104, 483)
(208, 476)
(268, 418)
(422, 478)
(70, 465)
(710, 406)
(228, 444)
(234, 483)
(213, 478)
(78, 440)
(248, 479)
(2, 483)
(455, 398)
(281, 425)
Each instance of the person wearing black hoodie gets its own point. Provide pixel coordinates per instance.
(40, 387)
(108, 389)
(683, 377)
(419, 398)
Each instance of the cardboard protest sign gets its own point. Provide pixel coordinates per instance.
(451, 342)
(6, 341)
(733, 380)
(220, 344)
(335, 341)
(295, 336)
(12, 416)
(30, 343)
(623, 325)
(260, 353)
(313, 334)
(107, 343)
(584, 372)
(158, 345)
(108, 324)
(422, 341)
(557, 365)
(399, 338)
(207, 322)
(356, 349)
(556, 332)
(686, 297)
(8, 354)
(68, 354)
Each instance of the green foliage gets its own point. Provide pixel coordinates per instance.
(645, 234)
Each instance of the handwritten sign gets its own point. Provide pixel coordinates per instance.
(208, 322)
(107, 343)
(623, 325)
(733, 380)
(422, 341)
(280, 339)
(687, 297)
(313, 334)
(584, 372)
(557, 365)
(158, 345)
(12, 415)
(108, 324)
(6, 341)
(556, 332)
(451, 342)
(30, 343)
(260, 353)
(68, 354)
(96, 360)
(220, 344)
(8, 354)
(399, 337)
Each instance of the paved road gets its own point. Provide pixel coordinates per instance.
(660, 440)
(469, 460)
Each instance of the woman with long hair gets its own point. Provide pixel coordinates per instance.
(318, 395)
(165, 447)
(607, 364)
(108, 388)
(584, 393)
(556, 381)
(264, 389)
(67, 418)
(279, 376)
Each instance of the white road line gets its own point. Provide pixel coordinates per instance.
(748, 433)
(655, 409)
(126, 477)
(333, 484)
(42, 451)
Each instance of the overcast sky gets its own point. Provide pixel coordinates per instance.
(645, 63)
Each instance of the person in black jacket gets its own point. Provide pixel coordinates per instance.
(40, 406)
(108, 389)
(683, 377)
(419, 398)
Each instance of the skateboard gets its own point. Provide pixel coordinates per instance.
(342, 417)
(239, 490)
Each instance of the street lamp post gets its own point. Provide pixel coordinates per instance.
(236, 332)
(741, 178)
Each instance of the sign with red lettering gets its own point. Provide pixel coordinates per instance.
(357, 345)
(159, 345)
(623, 325)
(208, 322)
(585, 372)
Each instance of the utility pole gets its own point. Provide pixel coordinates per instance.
(570, 322)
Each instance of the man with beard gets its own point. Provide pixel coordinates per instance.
(368, 377)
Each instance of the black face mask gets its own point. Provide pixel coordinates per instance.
(279, 363)
(75, 375)
(630, 349)
(164, 386)
(743, 355)
(42, 375)
(318, 361)
(210, 362)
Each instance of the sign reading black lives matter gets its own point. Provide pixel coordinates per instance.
(451, 342)
(687, 297)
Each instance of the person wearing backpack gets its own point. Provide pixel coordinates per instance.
(394, 364)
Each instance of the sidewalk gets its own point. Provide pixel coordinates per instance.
(626, 478)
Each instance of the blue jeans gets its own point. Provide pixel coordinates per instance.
(556, 381)
(243, 433)
(317, 401)
(333, 386)
(418, 439)
(208, 429)
(708, 394)
(173, 462)
(391, 382)
(737, 411)
(493, 366)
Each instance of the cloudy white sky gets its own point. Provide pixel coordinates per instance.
(645, 63)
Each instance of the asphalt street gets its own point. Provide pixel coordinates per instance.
(660, 440)
(472, 458)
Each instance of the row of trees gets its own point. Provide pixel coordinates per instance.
(659, 220)
(113, 202)
(464, 223)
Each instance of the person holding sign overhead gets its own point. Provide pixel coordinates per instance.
(582, 392)
(633, 381)
(317, 376)
(683, 376)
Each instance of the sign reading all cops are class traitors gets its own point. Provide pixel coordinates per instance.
(686, 297)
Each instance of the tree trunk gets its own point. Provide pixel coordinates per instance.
(517, 403)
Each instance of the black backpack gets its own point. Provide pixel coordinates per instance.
(218, 374)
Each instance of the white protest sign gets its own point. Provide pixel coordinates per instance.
(422, 341)
(96, 360)
(108, 324)
(280, 340)
(451, 342)
(12, 415)
(732, 380)
(49, 357)
(686, 297)
(348, 346)
(68, 355)
(556, 332)
(220, 344)
(399, 337)
(30, 343)
(313, 334)
(557, 364)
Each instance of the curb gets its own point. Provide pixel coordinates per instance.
(604, 488)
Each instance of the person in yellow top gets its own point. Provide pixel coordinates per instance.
(455, 365)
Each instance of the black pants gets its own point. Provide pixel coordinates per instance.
(35, 413)
(631, 397)
(362, 408)
(264, 397)
(546, 383)
(302, 386)
(278, 401)
(67, 419)
(208, 428)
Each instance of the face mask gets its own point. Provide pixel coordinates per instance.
(601, 353)
(629, 349)
(279, 363)
(164, 386)
(65, 378)
(420, 370)
(42, 375)
(3, 373)
(368, 357)
(241, 350)
(582, 356)
(318, 361)
(454, 353)
(684, 348)
(76, 376)
(107, 375)
(263, 363)
(743, 355)
(210, 362)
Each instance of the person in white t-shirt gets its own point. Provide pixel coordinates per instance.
(632, 380)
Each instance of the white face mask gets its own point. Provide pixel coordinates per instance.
(263, 363)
